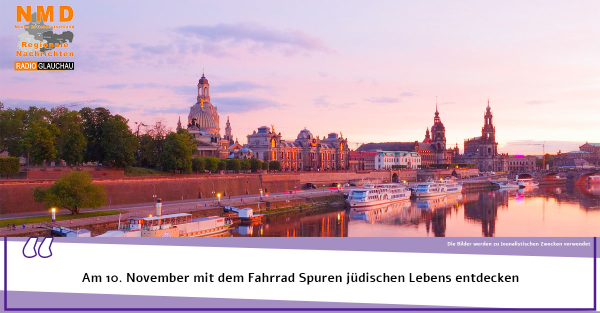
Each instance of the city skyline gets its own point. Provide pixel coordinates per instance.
(372, 73)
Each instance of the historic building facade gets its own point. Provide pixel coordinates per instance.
(521, 163)
(307, 153)
(588, 156)
(362, 161)
(203, 125)
(483, 151)
(387, 160)
(432, 149)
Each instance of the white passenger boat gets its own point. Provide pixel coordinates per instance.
(508, 185)
(527, 183)
(438, 188)
(377, 195)
(171, 225)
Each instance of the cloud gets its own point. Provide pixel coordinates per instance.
(383, 100)
(255, 33)
(323, 102)
(406, 94)
(323, 74)
(236, 87)
(114, 86)
(244, 104)
(536, 102)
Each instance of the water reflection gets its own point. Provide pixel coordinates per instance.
(546, 211)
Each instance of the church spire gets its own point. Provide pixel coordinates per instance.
(179, 123)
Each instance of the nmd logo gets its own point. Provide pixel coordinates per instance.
(46, 15)
(33, 249)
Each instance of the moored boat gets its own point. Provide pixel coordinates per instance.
(378, 195)
(171, 225)
(507, 184)
(438, 188)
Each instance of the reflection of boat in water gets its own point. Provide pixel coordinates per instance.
(378, 195)
(594, 190)
(594, 179)
(385, 213)
(438, 188)
(438, 203)
(171, 225)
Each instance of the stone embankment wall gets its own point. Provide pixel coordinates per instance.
(17, 196)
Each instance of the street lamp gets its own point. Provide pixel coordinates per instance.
(154, 194)
(219, 196)
(53, 210)
(261, 193)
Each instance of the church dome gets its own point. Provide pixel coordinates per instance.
(203, 80)
(438, 127)
(305, 134)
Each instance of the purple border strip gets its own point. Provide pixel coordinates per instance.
(451, 309)
(379, 244)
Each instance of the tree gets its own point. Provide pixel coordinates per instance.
(198, 165)
(39, 142)
(68, 123)
(177, 153)
(212, 164)
(148, 154)
(93, 121)
(12, 126)
(234, 165)
(222, 165)
(72, 192)
(73, 145)
(246, 165)
(275, 166)
(265, 166)
(118, 143)
(9, 165)
(255, 164)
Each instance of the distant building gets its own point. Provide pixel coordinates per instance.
(483, 151)
(588, 156)
(521, 163)
(362, 161)
(203, 125)
(432, 150)
(306, 153)
(387, 160)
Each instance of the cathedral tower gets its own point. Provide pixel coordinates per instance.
(488, 134)
(228, 135)
(438, 132)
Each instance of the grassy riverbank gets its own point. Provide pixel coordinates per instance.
(43, 219)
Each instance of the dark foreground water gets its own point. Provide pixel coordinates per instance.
(546, 211)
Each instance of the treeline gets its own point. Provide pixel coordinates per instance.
(96, 136)
(214, 165)
(91, 135)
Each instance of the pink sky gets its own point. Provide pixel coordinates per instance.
(371, 71)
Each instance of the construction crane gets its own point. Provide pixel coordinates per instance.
(543, 151)
(62, 107)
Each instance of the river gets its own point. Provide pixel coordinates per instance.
(547, 211)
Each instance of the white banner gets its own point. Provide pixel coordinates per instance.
(543, 282)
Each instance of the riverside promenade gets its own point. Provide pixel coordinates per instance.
(169, 207)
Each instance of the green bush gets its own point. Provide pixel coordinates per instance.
(198, 165)
(256, 165)
(275, 166)
(9, 165)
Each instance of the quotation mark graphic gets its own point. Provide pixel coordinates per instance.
(43, 249)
